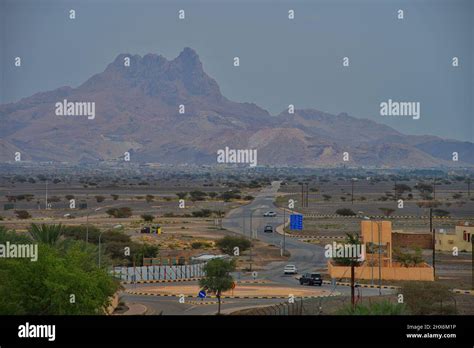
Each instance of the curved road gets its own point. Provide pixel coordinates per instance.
(306, 256)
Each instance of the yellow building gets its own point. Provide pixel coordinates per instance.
(377, 237)
(461, 238)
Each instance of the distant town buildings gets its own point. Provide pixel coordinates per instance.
(461, 238)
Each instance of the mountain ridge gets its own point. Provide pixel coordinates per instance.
(138, 111)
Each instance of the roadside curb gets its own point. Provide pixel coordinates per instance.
(301, 236)
(201, 303)
(136, 309)
(379, 216)
(228, 297)
(457, 291)
(363, 285)
(464, 292)
(189, 280)
(162, 281)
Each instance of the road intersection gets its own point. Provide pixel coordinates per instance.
(242, 220)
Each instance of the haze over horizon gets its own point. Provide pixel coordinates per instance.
(282, 61)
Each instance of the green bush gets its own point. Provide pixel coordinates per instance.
(147, 217)
(149, 198)
(202, 213)
(200, 245)
(428, 298)
(44, 287)
(229, 195)
(408, 259)
(22, 214)
(228, 243)
(345, 212)
(123, 212)
(197, 195)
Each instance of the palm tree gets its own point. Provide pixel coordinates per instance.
(48, 234)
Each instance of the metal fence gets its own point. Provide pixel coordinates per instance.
(301, 306)
(144, 273)
(284, 308)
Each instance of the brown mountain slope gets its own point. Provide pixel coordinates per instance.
(137, 110)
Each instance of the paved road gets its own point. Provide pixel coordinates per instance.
(171, 306)
(307, 257)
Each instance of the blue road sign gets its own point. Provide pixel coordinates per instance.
(202, 294)
(296, 222)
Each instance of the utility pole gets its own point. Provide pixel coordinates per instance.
(46, 197)
(352, 195)
(380, 258)
(372, 252)
(100, 236)
(307, 195)
(87, 226)
(352, 284)
(432, 230)
(284, 222)
(302, 195)
(250, 235)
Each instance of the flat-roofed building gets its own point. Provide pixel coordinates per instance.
(461, 238)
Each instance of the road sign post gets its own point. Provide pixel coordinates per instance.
(296, 222)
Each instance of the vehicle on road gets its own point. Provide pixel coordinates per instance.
(311, 279)
(268, 229)
(270, 214)
(290, 269)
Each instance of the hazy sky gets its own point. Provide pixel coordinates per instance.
(282, 61)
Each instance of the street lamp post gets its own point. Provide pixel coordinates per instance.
(372, 253)
(46, 196)
(251, 235)
(352, 189)
(100, 236)
(87, 223)
(372, 250)
(307, 195)
(284, 235)
(87, 226)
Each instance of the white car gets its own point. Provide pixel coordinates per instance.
(290, 269)
(270, 214)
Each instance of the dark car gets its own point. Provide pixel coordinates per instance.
(311, 279)
(145, 230)
(268, 229)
